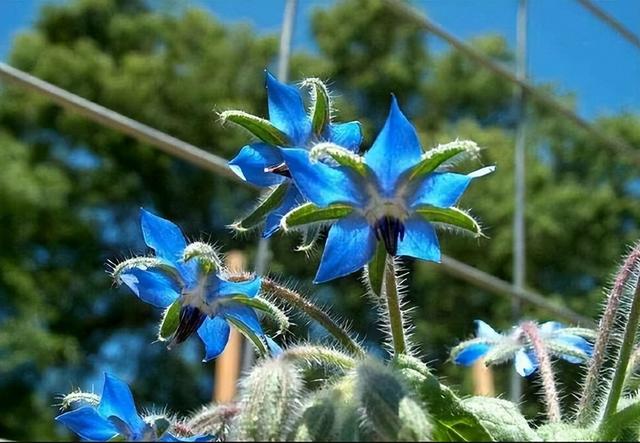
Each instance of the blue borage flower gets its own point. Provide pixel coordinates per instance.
(569, 344)
(115, 415)
(188, 281)
(289, 126)
(393, 194)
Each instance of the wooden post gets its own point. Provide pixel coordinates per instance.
(482, 380)
(227, 368)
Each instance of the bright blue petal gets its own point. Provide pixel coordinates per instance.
(274, 348)
(170, 437)
(244, 314)
(322, 184)
(419, 240)
(440, 189)
(251, 162)
(151, 286)
(287, 112)
(214, 333)
(525, 363)
(350, 245)
(471, 354)
(550, 327)
(116, 400)
(88, 424)
(217, 287)
(395, 150)
(576, 342)
(291, 199)
(483, 330)
(163, 236)
(348, 135)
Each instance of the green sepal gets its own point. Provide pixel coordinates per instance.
(250, 335)
(170, 321)
(310, 235)
(310, 213)
(259, 127)
(270, 202)
(450, 216)
(161, 425)
(376, 269)
(265, 306)
(340, 155)
(321, 112)
(437, 156)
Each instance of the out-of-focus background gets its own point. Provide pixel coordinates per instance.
(70, 189)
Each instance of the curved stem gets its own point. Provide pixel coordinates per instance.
(297, 300)
(626, 349)
(393, 308)
(530, 329)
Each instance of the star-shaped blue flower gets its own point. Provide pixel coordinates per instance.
(116, 415)
(262, 164)
(205, 296)
(393, 194)
(566, 343)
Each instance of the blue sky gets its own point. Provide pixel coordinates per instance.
(567, 44)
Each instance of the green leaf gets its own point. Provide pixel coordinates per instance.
(265, 306)
(310, 213)
(170, 321)
(321, 112)
(343, 157)
(501, 418)
(566, 432)
(250, 335)
(259, 127)
(450, 216)
(376, 268)
(627, 418)
(269, 203)
(437, 156)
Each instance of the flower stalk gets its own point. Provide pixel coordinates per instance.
(530, 330)
(298, 301)
(393, 308)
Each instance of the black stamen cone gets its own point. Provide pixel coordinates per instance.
(389, 230)
(281, 169)
(191, 318)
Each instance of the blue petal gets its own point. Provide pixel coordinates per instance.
(440, 189)
(117, 401)
(483, 330)
(88, 424)
(350, 245)
(348, 135)
(214, 333)
(151, 286)
(471, 354)
(322, 184)
(163, 236)
(576, 342)
(251, 162)
(172, 438)
(550, 327)
(525, 363)
(419, 240)
(274, 348)
(395, 150)
(218, 287)
(291, 199)
(287, 112)
(244, 314)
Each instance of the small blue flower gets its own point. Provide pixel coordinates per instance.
(115, 415)
(566, 343)
(262, 163)
(391, 193)
(205, 294)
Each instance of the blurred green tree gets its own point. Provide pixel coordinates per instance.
(70, 189)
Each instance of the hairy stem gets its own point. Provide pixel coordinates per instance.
(594, 378)
(393, 308)
(626, 349)
(530, 329)
(298, 301)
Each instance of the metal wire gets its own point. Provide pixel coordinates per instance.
(608, 19)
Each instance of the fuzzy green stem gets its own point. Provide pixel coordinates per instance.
(530, 330)
(626, 349)
(589, 397)
(298, 301)
(393, 308)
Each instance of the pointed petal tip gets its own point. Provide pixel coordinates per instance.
(482, 172)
